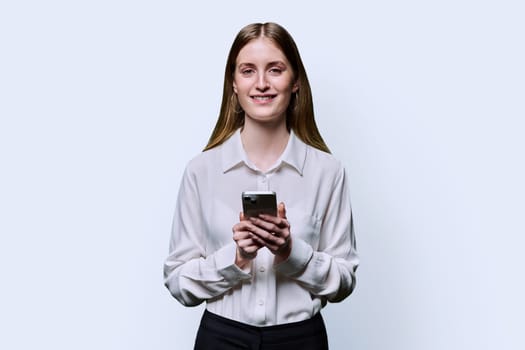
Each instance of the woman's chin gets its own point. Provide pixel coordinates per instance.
(266, 120)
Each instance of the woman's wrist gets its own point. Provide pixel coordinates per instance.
(241, 260)
(284, 253)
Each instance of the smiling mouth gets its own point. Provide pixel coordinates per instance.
(263, 98)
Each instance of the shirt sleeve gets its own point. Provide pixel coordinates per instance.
(190, 275)
(330, 270)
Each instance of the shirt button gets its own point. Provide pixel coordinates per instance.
(261, 303)
(264, 179)
(262, 269)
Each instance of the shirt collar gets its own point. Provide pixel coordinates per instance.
(233, 154)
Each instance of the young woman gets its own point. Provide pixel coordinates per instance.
(264, 279)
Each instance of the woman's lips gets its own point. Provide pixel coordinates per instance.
(263, 98)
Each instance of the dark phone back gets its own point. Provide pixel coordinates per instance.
(258, 202)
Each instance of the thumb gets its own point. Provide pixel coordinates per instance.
(241, 216)
(281, 210)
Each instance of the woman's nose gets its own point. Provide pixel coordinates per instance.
(262, 83)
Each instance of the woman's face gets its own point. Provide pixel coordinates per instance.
(263, 81)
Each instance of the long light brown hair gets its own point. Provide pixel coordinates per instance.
(300, 112)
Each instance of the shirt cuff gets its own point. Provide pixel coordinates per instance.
(225, 263)
(299, 257)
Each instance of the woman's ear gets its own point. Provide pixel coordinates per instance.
(234, 87)
(295, 87)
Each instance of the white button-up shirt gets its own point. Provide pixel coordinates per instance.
(322, 263)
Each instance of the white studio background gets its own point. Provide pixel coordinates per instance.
(102, 103)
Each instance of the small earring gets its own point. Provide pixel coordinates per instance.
(238, 111)
(235, 103)
(295, 100)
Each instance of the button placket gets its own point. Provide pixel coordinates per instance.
(262, 182)
(261, 291)
(261, 273)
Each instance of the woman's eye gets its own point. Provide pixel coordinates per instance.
(276, 71)
(247, 71)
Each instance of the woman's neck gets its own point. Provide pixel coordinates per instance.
(264, 144)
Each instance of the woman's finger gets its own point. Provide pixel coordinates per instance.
(268, 235)
(281, 210)
(275, 220)
(270, 223)
(274, 241)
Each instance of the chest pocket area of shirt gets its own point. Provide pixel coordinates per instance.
(304, 226)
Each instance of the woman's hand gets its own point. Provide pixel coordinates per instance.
(247, 243)
(274, 233)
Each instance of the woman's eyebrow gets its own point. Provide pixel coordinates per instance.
(277, 63)
(269, 64)
(241, 65)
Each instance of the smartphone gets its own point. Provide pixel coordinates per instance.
(259, 202)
